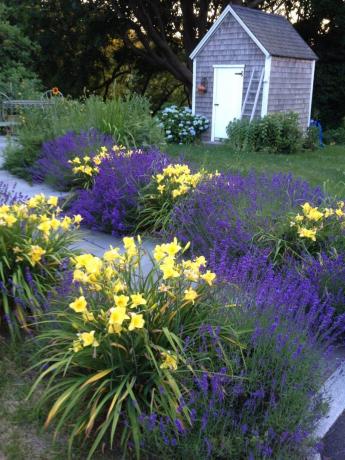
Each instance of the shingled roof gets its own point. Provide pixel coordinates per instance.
(274, 32)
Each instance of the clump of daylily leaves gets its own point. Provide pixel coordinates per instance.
(34, 241)
(165, 188)
(117, 350)
(312, 230)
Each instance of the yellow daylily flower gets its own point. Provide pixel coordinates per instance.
(114, 328)
(9, 220)
(77, 346)
(79, 305)
(307, 233)
(118, 315)
(80, 277)
(138, 299)
(173, 248)
(35, 254)
(88, 338)
(209, 277)
(121, 300)
(53, 200)
(170, 362)
(88, 316)
(119, 286)
(112, 255)
(77, 219)
(314, 214)
(190, 295)
(137, 322)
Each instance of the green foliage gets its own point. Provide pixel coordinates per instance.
(336, 135)
(117, 349)
(312, 138)
(272, 358)
(180, 125)
(157, 199)
(33, 245)
(17, 78)
(128, 48)
(274, 133)
(128, 120)
(313, 231)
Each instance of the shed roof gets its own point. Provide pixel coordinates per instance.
(273, 32)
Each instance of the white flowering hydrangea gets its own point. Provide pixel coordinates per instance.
(180, 125)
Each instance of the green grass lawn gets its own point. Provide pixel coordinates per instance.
(324, 167)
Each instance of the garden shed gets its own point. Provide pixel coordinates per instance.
(248, 65)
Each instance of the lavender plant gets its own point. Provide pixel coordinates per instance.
(326, 274)
(268, 410)
(225, 213)
(9, 195)
(53, 164)
(111, 204)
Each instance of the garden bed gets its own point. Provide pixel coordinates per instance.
(282, 305)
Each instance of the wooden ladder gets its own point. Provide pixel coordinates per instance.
(251, 90)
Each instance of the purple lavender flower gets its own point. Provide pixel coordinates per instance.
(9, 195)
(52, 165)
(111, 204)
(222, 216)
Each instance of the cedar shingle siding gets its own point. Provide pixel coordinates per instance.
(230, 44)
(290, 86)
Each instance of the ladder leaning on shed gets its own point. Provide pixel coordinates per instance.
(254, 78)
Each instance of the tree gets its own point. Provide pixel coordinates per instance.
(139, 43)
(17, 78)
(322, 24)
(163, 34)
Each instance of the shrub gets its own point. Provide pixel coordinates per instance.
(118, 348)
(53, 165)
(311, 139)
(274, 133)
(33, 245)
(335, 135)
(157, 200)
(180, 125)
(127, 120)
(111, 203)
(225, 213)
(312, 231)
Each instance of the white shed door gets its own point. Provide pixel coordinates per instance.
(227, 98)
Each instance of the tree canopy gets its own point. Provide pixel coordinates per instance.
(144, 45)
(17, 53)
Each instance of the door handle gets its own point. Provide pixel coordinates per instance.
(239, 73)
(216, 105)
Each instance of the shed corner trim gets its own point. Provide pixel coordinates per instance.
(194, 87)
(266, 86)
